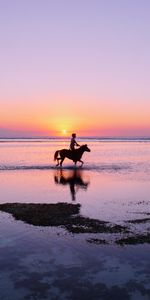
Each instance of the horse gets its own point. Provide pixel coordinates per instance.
(74, 155)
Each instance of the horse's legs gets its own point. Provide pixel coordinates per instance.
(62, 159)
(81, 162)
(58, 162)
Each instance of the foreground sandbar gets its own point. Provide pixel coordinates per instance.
(68, 216)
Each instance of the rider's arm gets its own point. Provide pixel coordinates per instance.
(77, 144)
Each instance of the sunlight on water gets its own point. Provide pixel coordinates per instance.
(114, 175)
(112, 186)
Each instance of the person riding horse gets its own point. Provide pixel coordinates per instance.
(73, 142)
(74, 155)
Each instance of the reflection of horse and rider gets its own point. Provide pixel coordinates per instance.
(73, 178)
(73, 153)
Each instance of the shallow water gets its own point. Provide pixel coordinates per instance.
(115, 175)
(113, 185)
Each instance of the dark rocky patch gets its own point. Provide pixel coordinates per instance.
(134, 240)
(97, 241)
(138, 221)
(59, 214)
(42, 214)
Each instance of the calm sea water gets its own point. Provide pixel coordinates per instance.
(116, 174)
(48, 263)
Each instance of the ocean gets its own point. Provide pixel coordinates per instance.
(44, 262)
(115, 173)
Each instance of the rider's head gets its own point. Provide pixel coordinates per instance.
(74, 135)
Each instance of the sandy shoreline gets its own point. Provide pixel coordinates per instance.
(67, 215)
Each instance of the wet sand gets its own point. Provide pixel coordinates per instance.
(60, 214)
(66, 215)
(75, 233)
(44, 262)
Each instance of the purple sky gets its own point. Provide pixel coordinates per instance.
(88, 59)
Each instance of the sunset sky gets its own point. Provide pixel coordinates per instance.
(74, 65)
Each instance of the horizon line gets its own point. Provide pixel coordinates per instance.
(79, 137)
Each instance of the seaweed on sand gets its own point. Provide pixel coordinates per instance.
(97, 241)
(59, 214)
(135, 240)
(42, 214)
(138, 221)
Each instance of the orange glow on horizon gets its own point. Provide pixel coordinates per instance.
(64, 114)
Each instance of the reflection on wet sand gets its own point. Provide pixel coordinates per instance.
(73, 178)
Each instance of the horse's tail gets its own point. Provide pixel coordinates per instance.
(56, 155)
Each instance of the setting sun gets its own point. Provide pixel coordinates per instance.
(64, 132)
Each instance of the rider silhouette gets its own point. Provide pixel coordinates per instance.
(73, 142)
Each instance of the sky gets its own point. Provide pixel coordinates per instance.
(74, 66)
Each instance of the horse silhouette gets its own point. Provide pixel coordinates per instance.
(74, 155)
(73, 178)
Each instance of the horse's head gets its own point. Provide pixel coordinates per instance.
(85, 148)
